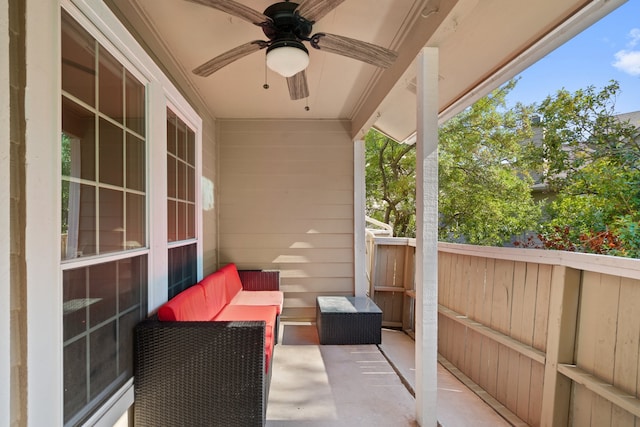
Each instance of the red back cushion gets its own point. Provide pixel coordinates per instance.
(188, 305)
(232, 280)
(215, 292)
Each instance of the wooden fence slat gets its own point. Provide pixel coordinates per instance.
(502, 384)
(625, 375)
(601, 388)
(517, 301)
(608, 300)
(542, 307)
(524, 388)
(589, 309)
(529, 306)
(489, 285)
(472, 302)
(535, 397)
(581, 406)
(502, 293)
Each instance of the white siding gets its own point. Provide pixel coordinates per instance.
(286, 203)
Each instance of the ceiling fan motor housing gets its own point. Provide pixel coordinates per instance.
(286, 23)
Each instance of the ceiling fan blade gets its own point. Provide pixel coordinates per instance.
(298, 88)
(228, 57)
(314, 10)
(356, 49)
(236, 9)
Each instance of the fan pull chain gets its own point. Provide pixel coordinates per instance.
(306, 104)
(266, 83)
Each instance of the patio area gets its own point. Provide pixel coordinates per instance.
(360, 385)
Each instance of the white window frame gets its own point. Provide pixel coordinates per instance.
(43, 184)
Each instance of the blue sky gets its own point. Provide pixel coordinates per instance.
(608, 50)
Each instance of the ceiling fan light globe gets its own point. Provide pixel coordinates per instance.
(287, 60)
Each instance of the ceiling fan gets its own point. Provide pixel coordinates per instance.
(286, 25)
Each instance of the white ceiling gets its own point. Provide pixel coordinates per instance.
(482, 43)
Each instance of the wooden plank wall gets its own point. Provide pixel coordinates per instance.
(389, 277)
(495, 327)
(286, 203)
(607, 348)
(510, 299)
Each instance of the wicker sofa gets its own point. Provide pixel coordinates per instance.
(205, 358)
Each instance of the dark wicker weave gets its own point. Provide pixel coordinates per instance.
(200, 374)
(353, 320)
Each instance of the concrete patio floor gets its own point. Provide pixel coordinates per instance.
(360, 385)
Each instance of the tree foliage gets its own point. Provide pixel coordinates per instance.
(390, 184)
(488, 159)
(485, 165)
(593, 165)
(484, 195)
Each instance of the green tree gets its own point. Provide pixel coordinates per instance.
(390, 183)
(486, 158)
(484, 173)
(593, 165)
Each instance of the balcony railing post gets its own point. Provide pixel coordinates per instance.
(561, 338)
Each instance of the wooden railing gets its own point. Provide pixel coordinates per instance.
(551, 338)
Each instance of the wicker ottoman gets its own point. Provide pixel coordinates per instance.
(348, 320)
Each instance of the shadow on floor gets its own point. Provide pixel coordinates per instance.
(334, 385)
(360, 385)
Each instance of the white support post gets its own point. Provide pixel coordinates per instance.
(427, 239)
(361, 286)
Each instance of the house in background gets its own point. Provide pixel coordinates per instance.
(125, 177)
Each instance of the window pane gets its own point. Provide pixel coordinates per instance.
(87, 220)
(74, 289)
(99, 359)
(111, 161)
(190, 220)
(131, 272)
(78, 61)
(181, 152)
(135, 221)
(136, 170)
(78, 220)
(182, 223)
(191, 184)
(78, 141)
(111, 221)
(103, 365)
(172, 233)
(191, 147)
(182, 268)
(171, 177)
(181, 176)
(75, 378)
(135, 104)
(171, 132)
(125, 352)
(182, 181)
(110, 85)
(102, 293)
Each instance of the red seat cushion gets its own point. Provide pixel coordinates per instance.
(232, 280)
(215, 292)
(233, 313)
(188, 305)
(274, 298)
